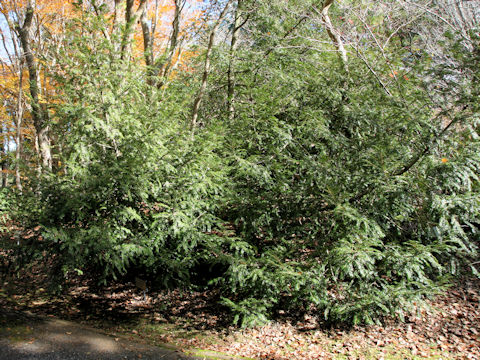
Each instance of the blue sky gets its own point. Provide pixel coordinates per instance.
(6, 32)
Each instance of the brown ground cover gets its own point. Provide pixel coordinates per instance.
(447, 326)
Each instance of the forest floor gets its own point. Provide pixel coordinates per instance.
(444, 327)
(448, 327)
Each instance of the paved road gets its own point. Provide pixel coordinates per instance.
(30, 338)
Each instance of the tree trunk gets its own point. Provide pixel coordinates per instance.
(162, 66)
(38, 113)
(18, 130)
(173, 41)
(3, 157)
(231, 63)
(131, 18)
(115, 25)
(334, 35)
(147, 42)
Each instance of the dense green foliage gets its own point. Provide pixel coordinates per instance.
(136, 189)
(324, 193)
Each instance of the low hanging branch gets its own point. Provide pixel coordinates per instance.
(206, 69)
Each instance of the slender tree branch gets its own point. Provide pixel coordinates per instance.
(99, 14)
(361, 57)
(415, 159)
(206, 69)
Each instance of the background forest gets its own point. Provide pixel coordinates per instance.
(319, 155)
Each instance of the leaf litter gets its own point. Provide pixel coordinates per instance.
(447, 327)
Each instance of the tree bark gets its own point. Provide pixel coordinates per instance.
(18, 130)
(3, 157)
(131, 18)
(334, 35)
(115, 24)
(38, 113)
(174, 39)
(163, 65)
(147, 41)
(231, 63)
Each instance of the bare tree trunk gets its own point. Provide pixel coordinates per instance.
(38, 113)
(37, 150)
(6, 162)
(128, 31)
(163, 65)
(173, 40)
(231, 63)
(334, 35)
(147, 41)
(116, 11)
(206, 69)
(115, 24)
(148, 38)
(3, 157)
(131, 18)
(18, 129)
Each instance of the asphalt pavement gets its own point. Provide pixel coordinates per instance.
(26, 337)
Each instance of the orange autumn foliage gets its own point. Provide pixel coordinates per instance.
(51, 18)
